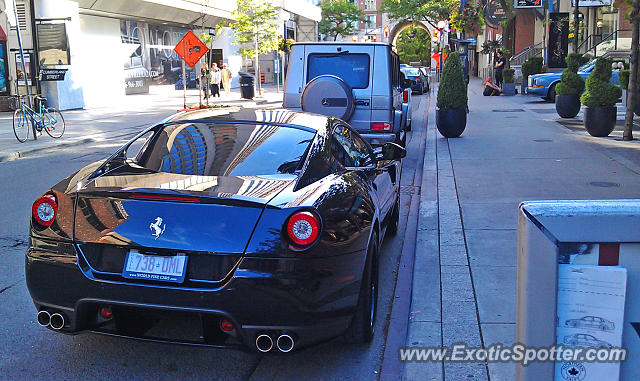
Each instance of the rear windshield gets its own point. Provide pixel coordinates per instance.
(411, 72)
(352, 68)
(227, 149)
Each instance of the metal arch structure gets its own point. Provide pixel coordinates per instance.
(401, 26)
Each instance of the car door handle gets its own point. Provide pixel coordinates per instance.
(362, 102)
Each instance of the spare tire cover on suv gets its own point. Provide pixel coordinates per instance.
(328, 95)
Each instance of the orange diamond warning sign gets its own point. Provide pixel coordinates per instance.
(190, 49)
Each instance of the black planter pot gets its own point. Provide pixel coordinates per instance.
(567, 106)
(451, 122)
(600, 121)
(509, 89)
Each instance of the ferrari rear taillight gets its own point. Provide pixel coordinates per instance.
(405, 96)
(381, 126)
(44, 210)
(303, 228)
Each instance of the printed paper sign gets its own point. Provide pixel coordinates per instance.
(591, 303)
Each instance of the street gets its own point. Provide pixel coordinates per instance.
(448, 276)
(90, 356)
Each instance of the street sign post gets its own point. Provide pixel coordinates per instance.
(190, 49)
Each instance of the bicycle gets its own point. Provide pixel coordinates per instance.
(48, 119)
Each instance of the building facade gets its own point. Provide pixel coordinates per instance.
(108, 49)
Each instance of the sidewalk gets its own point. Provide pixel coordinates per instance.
(126, 117)
(513, 149)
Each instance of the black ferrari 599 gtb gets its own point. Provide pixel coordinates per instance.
(228, 228)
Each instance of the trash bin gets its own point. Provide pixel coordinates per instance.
(246, 85)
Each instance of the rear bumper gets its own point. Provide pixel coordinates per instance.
(311, 299)
(378, 139)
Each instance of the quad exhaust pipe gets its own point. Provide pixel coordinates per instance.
(264, 343)
(57, 321)
(46, 319)
(284, 343)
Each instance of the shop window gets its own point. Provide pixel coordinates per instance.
(53, 45)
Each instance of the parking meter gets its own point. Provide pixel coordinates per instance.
(463, 52)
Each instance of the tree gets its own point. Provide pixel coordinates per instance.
(416, 48)
(426, 11)
(255, 30)
(339, 18)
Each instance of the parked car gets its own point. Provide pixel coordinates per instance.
(585, 340)
(591, 322)
(544, 85)
(419, 82)
(359, 83)
(234, 227)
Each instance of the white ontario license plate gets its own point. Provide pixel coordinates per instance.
(155, 267)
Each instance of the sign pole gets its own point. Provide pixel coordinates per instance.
(184, 84)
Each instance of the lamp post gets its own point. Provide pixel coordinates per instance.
(441, 26)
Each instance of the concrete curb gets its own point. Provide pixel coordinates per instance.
(19, 154)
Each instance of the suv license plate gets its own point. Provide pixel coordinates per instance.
(155, 267)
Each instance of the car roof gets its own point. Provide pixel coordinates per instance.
(343, 43)
(279, 116)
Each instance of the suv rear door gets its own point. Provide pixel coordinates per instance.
(354, 64)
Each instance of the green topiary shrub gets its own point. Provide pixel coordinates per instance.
(570, 82)
(531, 66)
(599, 92)
(452, 92)
(507, 75)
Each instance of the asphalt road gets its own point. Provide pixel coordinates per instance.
(30, 351)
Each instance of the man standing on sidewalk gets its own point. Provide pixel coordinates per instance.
(499, 66)
(226, 79)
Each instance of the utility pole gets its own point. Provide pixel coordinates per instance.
(632, 97)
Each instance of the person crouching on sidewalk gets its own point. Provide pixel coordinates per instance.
(215, 81)
(490, 89)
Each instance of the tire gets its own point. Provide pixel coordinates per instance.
(21, 125)
(360, 330)
(56, 128)
(551, 96)
(392, 227)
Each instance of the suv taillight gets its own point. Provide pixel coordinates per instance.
(44, 210)
(405, 96)
(381, 126)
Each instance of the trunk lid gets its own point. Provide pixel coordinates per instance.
(172, 211)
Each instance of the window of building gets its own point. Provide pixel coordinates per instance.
(371, 21)
(370, 5)
(53, 46)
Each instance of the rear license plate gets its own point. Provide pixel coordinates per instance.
(155, 267)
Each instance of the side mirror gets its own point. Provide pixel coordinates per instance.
(406, 83)
(393, 151)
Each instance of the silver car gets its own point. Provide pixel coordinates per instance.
(359, 83)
